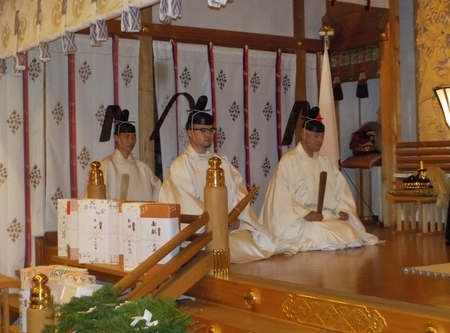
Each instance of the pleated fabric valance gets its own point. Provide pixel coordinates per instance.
(24, 24)
(27, 24)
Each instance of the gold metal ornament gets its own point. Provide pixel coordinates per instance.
(215, 176)
(214, 329)
(96, 175)
(332, 315)
(40, 293)
(429, 328)
(251, 299)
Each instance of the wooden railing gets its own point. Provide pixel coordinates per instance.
(415, 211)
(408, 155)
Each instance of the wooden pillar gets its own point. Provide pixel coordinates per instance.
(390, 112)
(298, 7)
(146, 109)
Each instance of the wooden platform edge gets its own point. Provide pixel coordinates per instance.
(284, 300)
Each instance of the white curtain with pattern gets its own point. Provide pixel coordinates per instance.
(12, 180)
(164, 72)
(36, 143)
(93, 93)
(57, 140)
(229, 98)
(128, 82)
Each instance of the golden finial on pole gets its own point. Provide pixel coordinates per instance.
(40, 311)
(96, 188)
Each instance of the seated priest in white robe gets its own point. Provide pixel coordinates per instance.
(291, 203)
(185, 182)
(125, 176)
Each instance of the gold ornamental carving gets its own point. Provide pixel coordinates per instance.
(214, 329)
(433, 66)
(332, 315)
(429, 328)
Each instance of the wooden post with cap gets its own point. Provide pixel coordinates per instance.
(216, 204)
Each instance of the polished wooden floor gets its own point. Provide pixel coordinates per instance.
(371, 270)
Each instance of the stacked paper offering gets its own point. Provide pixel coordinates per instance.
(115, 232)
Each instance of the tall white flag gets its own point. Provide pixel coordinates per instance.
(330, 147)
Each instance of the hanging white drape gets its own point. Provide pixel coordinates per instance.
(128, 82)
(34, 145)
(312, 90)
(229, 102)
(164, 71)
(288, 69)
(192, 67)
(192, 77)
(262, 125)
(57, 141)
(12, 181)
(93, 93)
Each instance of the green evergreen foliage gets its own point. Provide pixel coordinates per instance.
(105, 312)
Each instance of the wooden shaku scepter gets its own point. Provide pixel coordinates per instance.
(322, 185)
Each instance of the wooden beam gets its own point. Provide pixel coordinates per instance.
(298, 7)
(186, 276)
(217, 37)
(172, 266)
(354, 28)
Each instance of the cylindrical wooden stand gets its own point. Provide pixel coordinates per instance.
(38, 318)
(216, 204)
(217, 208)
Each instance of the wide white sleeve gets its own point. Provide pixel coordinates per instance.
(173, 191)
(280, 210)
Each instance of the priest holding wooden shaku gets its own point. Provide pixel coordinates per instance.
(185, 183)
(303, 214)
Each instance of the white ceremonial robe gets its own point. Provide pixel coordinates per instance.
(184, 184)
(143, 185)
(293, 193)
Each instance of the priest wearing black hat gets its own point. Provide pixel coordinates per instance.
(185, 182)
(290, 209)
(126, 177)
